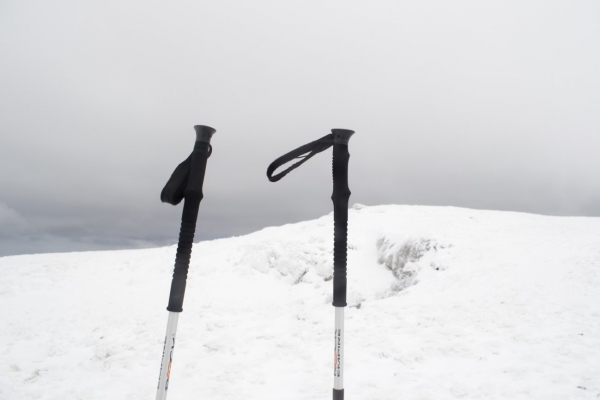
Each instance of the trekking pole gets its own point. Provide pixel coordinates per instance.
(341, 194)
(186, 182)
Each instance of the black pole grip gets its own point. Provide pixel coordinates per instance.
(193, 196)
(340, 197)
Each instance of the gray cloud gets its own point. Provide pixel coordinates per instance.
(10, 221)
(484, 105)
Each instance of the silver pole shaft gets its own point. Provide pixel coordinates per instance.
(338, 365)
(167, 357)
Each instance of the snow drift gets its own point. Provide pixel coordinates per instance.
(444, 303)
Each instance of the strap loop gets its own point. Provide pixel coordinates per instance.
(311, 148)
(173, 192)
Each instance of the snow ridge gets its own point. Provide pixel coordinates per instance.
(444, 303)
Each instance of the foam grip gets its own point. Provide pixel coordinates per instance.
(193, 197)
(340, 197)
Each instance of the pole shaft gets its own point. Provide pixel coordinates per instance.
(340, 197)
(193, 196)
(338, 366)
(167, 356)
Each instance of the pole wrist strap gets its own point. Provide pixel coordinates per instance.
(173, 192)
(303, 152)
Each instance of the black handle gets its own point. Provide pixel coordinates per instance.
(340, 197)
(193, 196)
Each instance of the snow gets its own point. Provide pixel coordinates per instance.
(444, 303)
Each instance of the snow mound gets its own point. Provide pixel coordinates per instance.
(444, 303)
(405, 258)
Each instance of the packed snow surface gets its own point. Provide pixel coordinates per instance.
(443, 303)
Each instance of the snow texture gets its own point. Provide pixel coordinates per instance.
(444, 303)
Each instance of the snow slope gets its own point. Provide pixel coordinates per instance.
(445, 303)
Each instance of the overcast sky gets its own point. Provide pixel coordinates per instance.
(482, 104)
